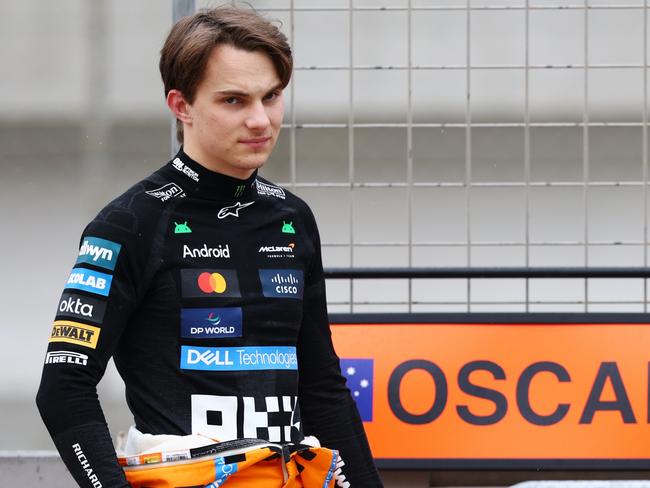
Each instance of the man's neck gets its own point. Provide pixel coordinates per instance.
(216, 166)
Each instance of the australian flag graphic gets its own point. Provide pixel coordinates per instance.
(359, 375)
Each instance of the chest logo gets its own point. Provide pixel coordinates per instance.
(233, 210)
(209, 282)
(182, 228)
(287, 228)
(282, 283)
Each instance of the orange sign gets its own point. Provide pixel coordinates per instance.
(476, 391)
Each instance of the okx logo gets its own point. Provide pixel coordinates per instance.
(209, 282)
(281, 283)
(99, 252)
(90, 281)
(359, 375)
(211, 323)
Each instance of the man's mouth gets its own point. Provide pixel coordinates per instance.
(256, 142)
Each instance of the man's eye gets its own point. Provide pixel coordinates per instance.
(272, 95)
(231, 100)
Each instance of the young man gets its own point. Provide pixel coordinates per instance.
(204, 281)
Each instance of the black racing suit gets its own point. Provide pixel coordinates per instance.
(208, 291)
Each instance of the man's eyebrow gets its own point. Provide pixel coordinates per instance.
(239, 93)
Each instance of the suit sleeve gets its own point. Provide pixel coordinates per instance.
(99, 297)
(326, 405)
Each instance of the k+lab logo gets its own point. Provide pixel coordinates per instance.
(182, 228)
(287, 228)
(359, 376)
(233, 210)
(90, 281)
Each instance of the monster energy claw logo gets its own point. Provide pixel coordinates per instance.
(239, 191)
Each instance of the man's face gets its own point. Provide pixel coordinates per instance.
(237, 112)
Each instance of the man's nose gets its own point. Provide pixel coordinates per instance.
(257, 118)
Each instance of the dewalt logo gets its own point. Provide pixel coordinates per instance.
(75, 333)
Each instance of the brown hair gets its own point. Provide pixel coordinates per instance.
(188, 46)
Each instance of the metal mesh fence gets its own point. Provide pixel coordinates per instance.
(471, 133)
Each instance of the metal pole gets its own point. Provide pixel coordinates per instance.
(180, 9)
(409, 153)
(468, 154)
(351, 147)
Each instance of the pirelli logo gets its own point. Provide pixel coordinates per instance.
(75, 333)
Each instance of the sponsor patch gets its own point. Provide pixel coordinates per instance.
(254, 358)
(75, 333)
(271, 190)
(233, 210)
(274, 418)
(66, 357)
(81, 307)
(209, 282)
(99, 252)
(164, 193)
(85, 464)
(272, 252)
(90, 281)
(359, 376)
(220, 251)
(186, 170)
(287, 228)
(211, 323)
(281, 283)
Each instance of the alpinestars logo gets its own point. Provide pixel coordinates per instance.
(271, 190)
(186, 170)
(164, 193)
(233, 210)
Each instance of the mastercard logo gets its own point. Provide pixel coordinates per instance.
(212, 283)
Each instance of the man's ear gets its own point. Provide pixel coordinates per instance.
(179, 106)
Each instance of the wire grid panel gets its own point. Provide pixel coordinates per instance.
(471, 133)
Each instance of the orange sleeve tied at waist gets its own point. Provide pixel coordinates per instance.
(268, 466)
